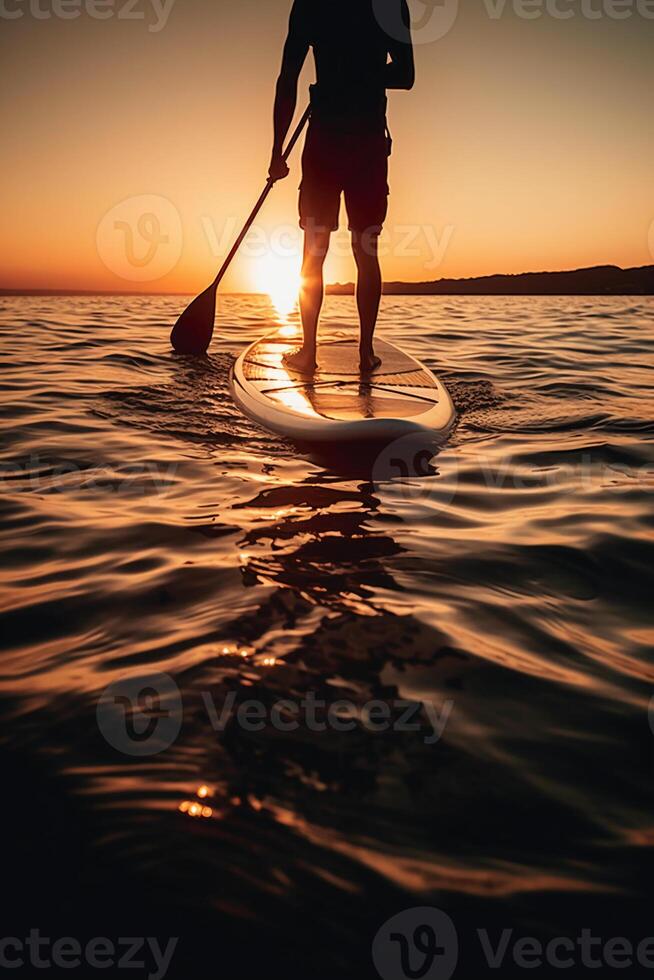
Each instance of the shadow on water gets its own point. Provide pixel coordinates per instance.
(318, 834)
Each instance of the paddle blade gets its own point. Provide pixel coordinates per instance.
(193, 331)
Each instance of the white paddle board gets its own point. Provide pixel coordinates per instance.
(337, 403)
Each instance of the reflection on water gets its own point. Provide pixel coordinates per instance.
(500, 596)
(280, 279)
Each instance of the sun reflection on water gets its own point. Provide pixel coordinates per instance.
(280, 279)
(193, 809)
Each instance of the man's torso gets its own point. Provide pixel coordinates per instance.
(350, 51)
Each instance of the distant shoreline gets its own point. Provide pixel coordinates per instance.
(603, 280)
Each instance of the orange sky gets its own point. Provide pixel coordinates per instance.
(526, 144)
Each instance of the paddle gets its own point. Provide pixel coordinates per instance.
(193, 331)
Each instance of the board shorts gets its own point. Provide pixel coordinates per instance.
(353, 164)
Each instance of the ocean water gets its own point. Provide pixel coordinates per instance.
(159, 546)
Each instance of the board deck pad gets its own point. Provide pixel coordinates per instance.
(337, 390)
(337, 358)
(400, 391)
(360, 402)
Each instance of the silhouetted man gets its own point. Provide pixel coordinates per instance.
(347, 145)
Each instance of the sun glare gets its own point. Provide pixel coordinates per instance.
(280, 278)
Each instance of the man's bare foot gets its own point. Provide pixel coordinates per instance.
(303, 361)
(369, 363)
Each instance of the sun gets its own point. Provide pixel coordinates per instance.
(280, 278)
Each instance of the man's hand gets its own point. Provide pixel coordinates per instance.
(278, 169)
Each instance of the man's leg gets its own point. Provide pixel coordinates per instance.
(369, 288)
(316, 246)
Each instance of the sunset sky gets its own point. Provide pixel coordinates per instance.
(527, 144)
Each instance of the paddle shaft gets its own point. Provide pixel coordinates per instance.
(266, 191)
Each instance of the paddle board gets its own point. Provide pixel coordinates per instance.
(337, 404)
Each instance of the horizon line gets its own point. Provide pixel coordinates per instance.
(411, 285)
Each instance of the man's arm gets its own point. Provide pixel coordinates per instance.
(401, 71)
(295, 52)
